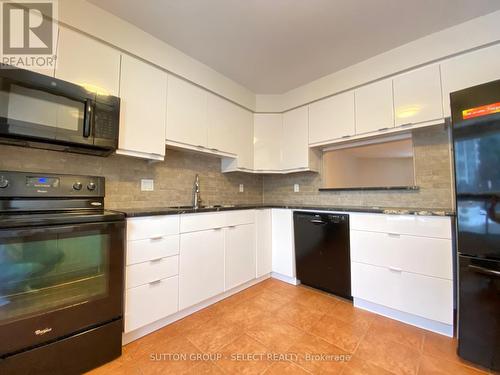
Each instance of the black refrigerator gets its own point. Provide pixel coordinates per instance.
(476, 138)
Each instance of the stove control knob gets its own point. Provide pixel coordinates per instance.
(77, 186)
(3, 182)
(91, 186)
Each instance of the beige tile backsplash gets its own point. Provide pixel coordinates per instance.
(432, 175)
(174, 177)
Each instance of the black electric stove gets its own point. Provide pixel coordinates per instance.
(61, 274)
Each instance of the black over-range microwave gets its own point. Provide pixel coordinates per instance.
(44, 112)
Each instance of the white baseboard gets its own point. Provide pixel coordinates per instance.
(286, 279)
(143, 331)
(418, 321)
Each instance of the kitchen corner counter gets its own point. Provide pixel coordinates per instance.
(153, 211)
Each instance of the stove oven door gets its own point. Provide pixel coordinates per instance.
(58, 280)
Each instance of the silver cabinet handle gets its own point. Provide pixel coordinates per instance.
(156, 282)
(394, 235)
(395, 269)
(156, 260)
(156, 238)
(382, 129)
(407, 124)
(346, 136)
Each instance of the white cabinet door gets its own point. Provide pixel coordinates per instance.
(417, 96)
(283, 254)
(264, 242)
(148, 303)
(240, 255)
(230, 130)
(100, 73)
(244, 139)
(222, 123)
(332, 118)
(268, 130)
(470, 69)
(143, 92)
(201, 270)
(186, 113)
(295, 147)
(374, 107)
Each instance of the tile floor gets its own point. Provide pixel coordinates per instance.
(277, 328)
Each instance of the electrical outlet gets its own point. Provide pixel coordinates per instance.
(147, 185)
(296, 188)
(242, 188)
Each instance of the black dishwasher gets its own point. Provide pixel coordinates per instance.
(322, 253)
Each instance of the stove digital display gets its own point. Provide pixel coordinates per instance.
(42, 182)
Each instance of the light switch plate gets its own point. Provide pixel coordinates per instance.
(296, 188)
(147, 185)
(242, 188)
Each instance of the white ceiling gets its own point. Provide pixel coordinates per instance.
(272, 46)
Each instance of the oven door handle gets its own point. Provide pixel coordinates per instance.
(484, 271)
(56, 229)
(88, 117)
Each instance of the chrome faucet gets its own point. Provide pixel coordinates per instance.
(196, 193)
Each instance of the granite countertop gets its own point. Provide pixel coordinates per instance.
(137, 212)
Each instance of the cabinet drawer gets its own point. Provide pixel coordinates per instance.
(144, 273)
(424, 296)
(202, 221)
(423, 255)
(151, 249)
(425, 226)
(148, 303)
(240, 217)
(140, 228)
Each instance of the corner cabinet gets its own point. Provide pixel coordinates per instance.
(268, 131)
(281, 143)
(143, 92)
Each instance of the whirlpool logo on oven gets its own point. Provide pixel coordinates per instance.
(28, 34)
(41, 332)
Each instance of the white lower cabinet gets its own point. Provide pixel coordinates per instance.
(425, 296)
(264, 238)
(283, 253)
(201, 271)
(148, 303)
(240, 255)
(401, 266)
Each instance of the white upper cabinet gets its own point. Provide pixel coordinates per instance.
(295, 148)
(100, 73)
(230, 131)
(186, 113)
(332, 118)
(222, 120)
(374, 107)
(143, 92)
(268, 131)
(470, 69)
(417, 96)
